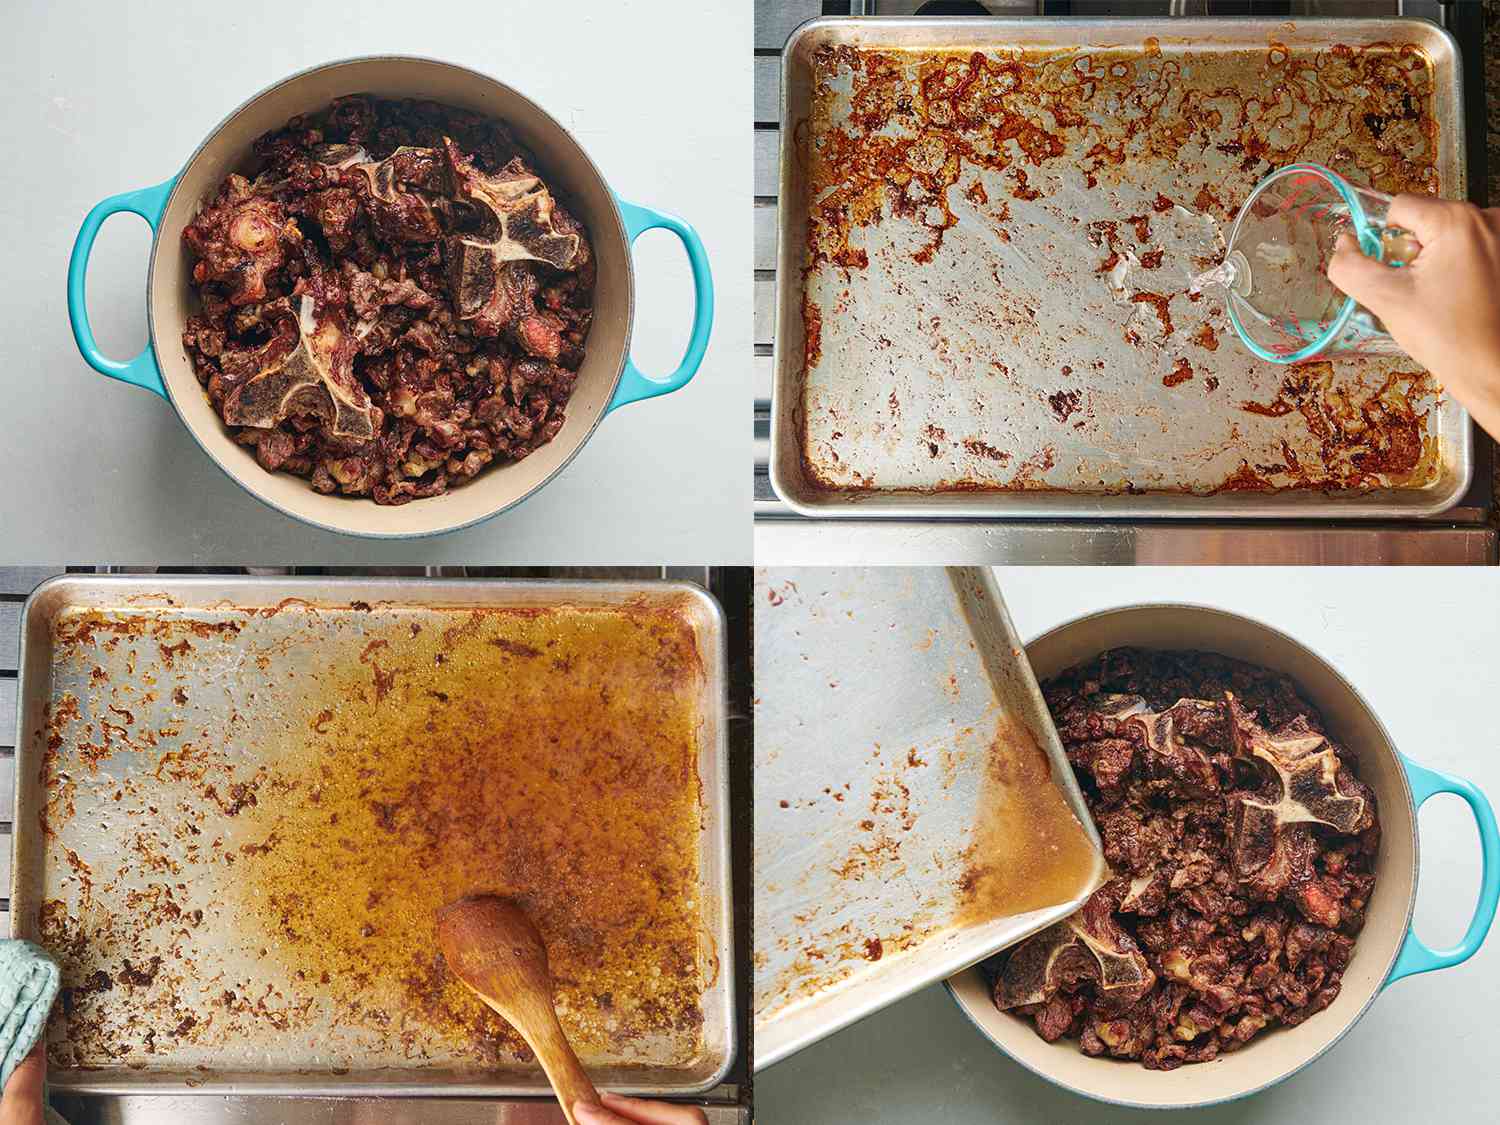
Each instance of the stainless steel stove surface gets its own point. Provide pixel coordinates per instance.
(1460, 536)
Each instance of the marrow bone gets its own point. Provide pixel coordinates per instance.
(315, 377)
(1306, 772)
(1086, 945)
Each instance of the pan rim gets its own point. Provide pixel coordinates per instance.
(805, 498)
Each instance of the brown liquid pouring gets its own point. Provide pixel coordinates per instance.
(1029, 849)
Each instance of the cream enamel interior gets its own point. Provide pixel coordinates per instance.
(566, 169)
(1276, 1054)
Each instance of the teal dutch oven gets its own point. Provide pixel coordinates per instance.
(607, 380)
(1387, 949)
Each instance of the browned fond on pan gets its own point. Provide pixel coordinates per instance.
(925, 822)
(932, 140)
(544, 754)
(1028, 852)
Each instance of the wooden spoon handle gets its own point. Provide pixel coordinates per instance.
(570, 1082)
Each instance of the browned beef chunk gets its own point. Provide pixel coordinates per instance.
(272, 447)
(334, 210)
(403, 194)
(1054, 1018)
(240, 240)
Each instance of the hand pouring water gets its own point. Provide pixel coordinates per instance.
(1274, 276)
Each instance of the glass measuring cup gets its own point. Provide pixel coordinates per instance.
(1275, 270)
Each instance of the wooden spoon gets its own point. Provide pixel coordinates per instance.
(494, 949)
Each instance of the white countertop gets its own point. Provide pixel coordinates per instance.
(102, 98)
(1422, 647)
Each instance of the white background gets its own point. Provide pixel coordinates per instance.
(106, 97)
(1421, 646)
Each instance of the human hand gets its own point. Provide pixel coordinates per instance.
(1442, 307)
(634, 1111)
(21, 1102)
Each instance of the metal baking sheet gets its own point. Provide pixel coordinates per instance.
(914, 811)
(239, 801)
(987, 232)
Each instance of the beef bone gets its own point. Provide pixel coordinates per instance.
(1162, 736)
(1088, 944)
(315, 377)
(516, 213)
(1305, 770)
(338, 157)
(1169, 757)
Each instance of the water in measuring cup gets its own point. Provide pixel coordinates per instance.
(1285, 300)
(1274, 274)
(1231, 275)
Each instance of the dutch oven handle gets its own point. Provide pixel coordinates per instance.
(1416, 957)
(142, 371)
(634, 384)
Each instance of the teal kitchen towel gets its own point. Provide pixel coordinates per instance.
(28, 985)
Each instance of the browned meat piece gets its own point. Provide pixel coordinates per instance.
(539, 336)
(369, 294)
(582, 270)
(530, 376)
(1133, 842)
(1109, 761)
(395, 303)
(399, 194)
(1170, 754)
(273, 448)
(1054, 1018)
(334, 210)
(1243, 847)
(201, 336)
(239, 240)
(353, 118)
(403, 491)
(426, 336)
(493, 297)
